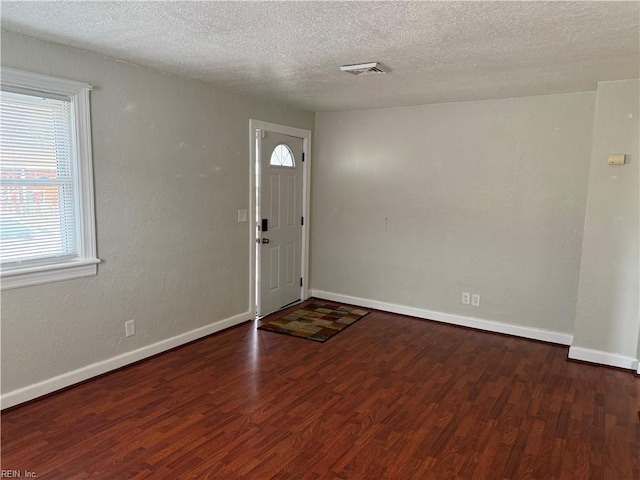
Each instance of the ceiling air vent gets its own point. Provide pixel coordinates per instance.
(373, 68)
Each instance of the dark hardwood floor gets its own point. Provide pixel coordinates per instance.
(391, 397)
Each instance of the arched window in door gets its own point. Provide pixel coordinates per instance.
(282, 157)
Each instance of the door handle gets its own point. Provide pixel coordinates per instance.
(265, 240)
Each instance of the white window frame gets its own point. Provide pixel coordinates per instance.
(85, 264)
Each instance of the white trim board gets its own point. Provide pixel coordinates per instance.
(472, 322)
(603, 358)
(51, 385)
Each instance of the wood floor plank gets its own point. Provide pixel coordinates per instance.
(391, 397)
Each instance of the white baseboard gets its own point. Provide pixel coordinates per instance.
(603, 358)
(45, 387)
(551, 336)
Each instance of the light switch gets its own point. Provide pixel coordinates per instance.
(617, 159)
(242, 216)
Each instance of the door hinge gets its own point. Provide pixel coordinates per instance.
(301, 220)
(300, 281)
(303, 156)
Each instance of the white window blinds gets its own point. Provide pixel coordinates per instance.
(37, 197)
(47, 220)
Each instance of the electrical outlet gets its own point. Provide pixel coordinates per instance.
(475, 300)
(129, 328)
(466, 298)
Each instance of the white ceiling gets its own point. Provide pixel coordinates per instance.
(292, 51)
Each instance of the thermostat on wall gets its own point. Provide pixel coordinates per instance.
(617, 159)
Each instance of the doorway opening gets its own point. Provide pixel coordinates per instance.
(280, 214)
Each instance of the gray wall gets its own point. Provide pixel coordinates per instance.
(608, 316)
(411, 206)
(414, 205)
(171, 160)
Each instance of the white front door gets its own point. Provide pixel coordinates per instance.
(279, 221)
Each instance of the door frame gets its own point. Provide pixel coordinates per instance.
(305, 135)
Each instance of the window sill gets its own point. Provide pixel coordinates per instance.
(49, 273)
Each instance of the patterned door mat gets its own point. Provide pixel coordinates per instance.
(317, 321)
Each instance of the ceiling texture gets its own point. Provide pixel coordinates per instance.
(291, 51)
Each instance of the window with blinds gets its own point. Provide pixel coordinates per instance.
(46, 189)
(36, 175)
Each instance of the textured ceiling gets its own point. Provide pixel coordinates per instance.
(292, 51)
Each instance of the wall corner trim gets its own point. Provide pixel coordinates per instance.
(68, 379)
(603, 358)
(551, 336)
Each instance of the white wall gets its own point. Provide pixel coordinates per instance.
(608, 316)
(414, 205)
(171, 160)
